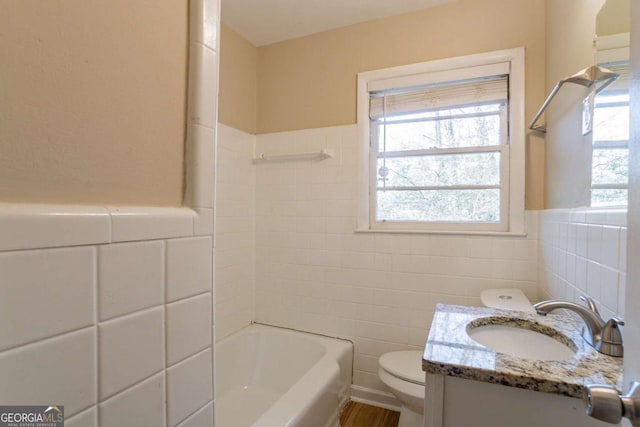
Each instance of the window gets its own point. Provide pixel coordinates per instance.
(443, 146)
(610, 161)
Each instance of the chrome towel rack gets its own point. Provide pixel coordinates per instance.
(587, 78)
(316, 155)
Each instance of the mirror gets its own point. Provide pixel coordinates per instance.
(610, 136)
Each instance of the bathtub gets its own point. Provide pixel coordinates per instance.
(274, 377)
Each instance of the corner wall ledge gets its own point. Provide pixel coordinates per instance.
(38, 226)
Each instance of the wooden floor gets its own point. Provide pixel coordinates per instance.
(361, 415)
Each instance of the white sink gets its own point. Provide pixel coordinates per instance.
(518, 338)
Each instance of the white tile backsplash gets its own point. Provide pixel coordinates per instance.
(594, 243)
(593, 262)
(610, 246)
(45, 293)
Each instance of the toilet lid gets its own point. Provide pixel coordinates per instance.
(406, 365)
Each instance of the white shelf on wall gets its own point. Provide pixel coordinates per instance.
(316, 155)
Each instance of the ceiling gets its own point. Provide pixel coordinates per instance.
(264, 22)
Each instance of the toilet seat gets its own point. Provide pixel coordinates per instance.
(405, 365)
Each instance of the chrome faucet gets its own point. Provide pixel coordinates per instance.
(603, 336)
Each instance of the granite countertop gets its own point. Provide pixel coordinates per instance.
(450, 351)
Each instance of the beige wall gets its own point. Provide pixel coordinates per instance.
(93, 101)
(311, 81)
(238, 78)
(570, 32)
(614, 18)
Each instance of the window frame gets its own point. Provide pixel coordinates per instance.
(512, 175)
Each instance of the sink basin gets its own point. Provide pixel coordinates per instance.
(521, 338)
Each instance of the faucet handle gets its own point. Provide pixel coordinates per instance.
(591, 303)
(611, 339)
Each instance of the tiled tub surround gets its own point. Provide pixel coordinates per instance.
(236, 230)
(450, 351)
(314, 273)
(583, 252)
(108, 310)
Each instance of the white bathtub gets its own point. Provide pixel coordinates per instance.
(274, 377)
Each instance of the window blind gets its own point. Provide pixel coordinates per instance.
(431, 97)
(622, 82)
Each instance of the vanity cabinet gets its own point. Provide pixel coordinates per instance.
(456, 402)
(471, 384)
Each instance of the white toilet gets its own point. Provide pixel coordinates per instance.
(401, 371)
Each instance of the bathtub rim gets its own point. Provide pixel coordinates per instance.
(336, 348)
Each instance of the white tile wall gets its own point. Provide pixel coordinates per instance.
(87, 323)
(203, 89)
(201, 152)
(131, 277)
(314, 273)
(60, 369)
(235, 236)
(128, 224)
(189, 387)
(141, 405)
(45, 293)
(188, 327)
(88, 418)
(202, 418)
(189, 267)
(583, 252)
(34, 226)
(206, 11)
(92, 329)
(131, 349)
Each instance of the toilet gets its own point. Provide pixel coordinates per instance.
(401, 371)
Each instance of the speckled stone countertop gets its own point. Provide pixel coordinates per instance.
(450, 351)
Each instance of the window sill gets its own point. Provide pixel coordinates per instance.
(446, 233)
